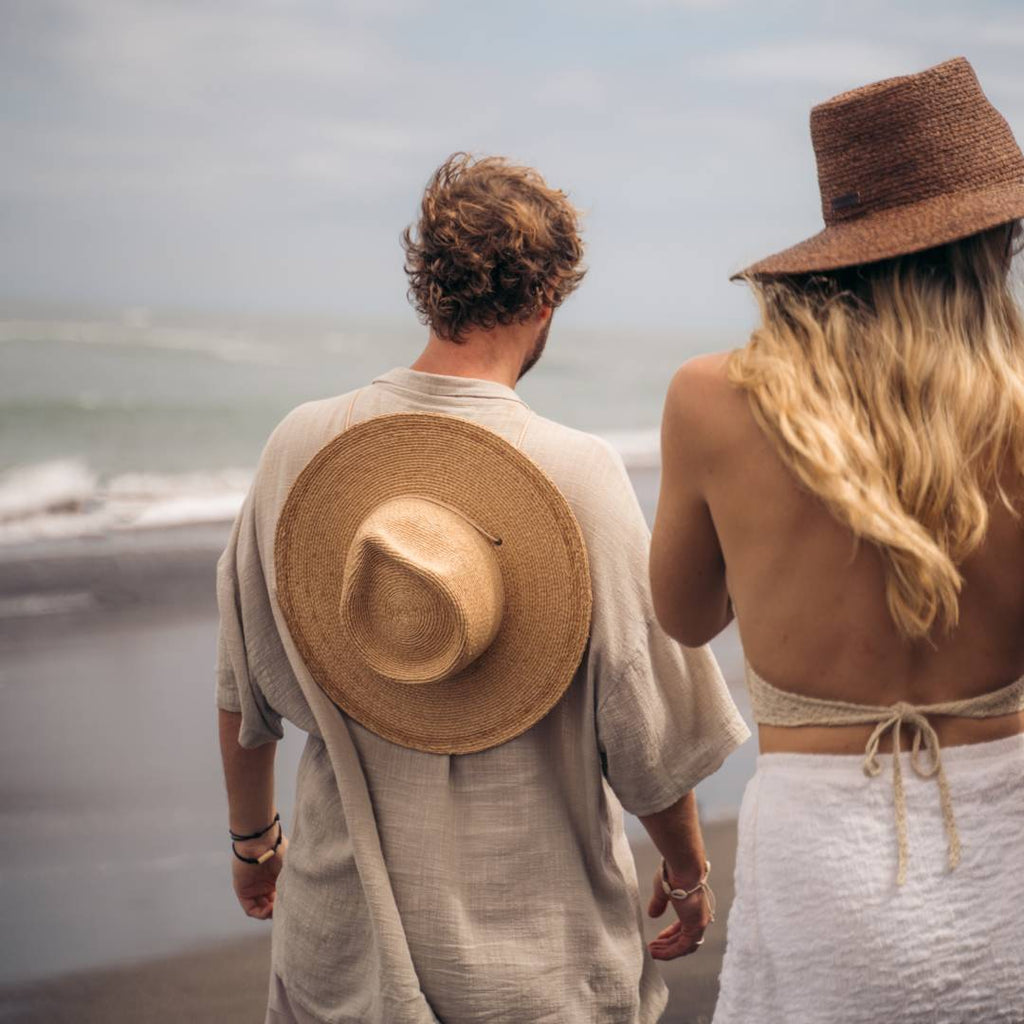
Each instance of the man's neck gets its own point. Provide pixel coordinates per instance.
(496, 355)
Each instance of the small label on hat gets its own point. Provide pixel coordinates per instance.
(845, 202)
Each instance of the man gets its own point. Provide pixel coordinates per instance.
(470, 645)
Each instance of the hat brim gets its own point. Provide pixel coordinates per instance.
(546, 620)
(896, 231)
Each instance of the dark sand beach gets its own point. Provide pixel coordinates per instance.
(115, 870)
(225, 982)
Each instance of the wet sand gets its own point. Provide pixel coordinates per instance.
(114, 872)
(112, 810)
(226, 983)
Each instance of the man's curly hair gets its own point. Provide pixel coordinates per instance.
(494, 245)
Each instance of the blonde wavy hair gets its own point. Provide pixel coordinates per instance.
(895, 392)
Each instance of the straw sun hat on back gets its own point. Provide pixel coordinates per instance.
(434, 580)
(905, 165)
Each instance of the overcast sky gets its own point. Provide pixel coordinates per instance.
(263, 156)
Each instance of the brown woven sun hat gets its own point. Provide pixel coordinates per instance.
(435, 582)
(905, 165)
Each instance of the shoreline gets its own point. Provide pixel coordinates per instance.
(159, 565)
(109, 579)
(44, 504)
(108, 755)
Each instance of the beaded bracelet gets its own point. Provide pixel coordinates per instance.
(238, 838)
(266, 855)
(682, 894)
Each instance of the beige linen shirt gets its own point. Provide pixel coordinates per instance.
(496, 886)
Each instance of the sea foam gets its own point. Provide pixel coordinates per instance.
(65, 498)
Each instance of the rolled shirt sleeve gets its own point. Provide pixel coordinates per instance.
(254, 674)
(665, 717)
(244, 631)
(667, 722)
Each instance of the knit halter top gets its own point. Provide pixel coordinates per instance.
(773, 706)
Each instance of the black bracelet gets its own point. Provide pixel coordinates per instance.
(266, 855)
(235, 837)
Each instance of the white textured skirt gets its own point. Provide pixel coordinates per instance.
(820, 932)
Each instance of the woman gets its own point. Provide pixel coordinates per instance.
(851, 485)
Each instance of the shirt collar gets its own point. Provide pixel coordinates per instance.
(449, 387)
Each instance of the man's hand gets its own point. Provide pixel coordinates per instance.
(685, 935)
(256, 884)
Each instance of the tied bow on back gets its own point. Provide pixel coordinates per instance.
(924, 735)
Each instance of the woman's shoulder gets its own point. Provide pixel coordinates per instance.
(704, 379)
(703, 403)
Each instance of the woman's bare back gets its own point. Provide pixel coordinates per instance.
(810, 601)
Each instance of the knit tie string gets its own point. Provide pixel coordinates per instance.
(924, 735)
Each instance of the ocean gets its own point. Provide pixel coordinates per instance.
(113, 426)
(142, 419)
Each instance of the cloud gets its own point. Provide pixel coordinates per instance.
(580, 88)
(253, 153)
(964, 30)
(683, 5)
(181, 53)
(836, 63)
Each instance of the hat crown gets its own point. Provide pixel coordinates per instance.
(422, 595)
(910, 139)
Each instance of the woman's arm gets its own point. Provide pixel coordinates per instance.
(687, 567)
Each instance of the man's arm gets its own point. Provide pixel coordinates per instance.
(249, 775)
(675, 832)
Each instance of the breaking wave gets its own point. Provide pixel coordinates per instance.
(65, 498)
